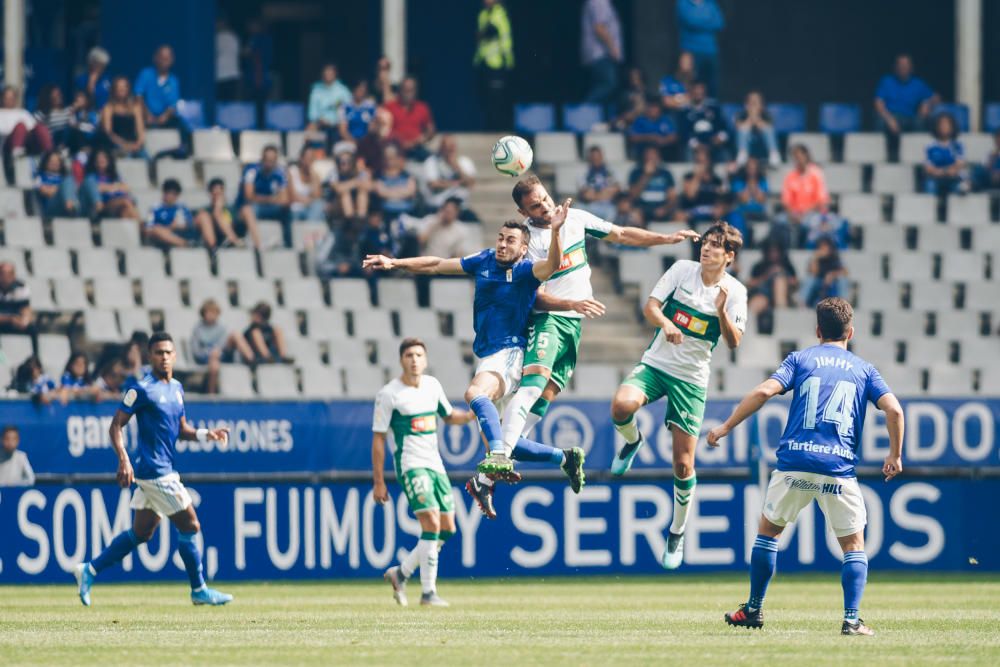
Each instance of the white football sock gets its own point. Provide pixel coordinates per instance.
(530, 423)
(629, 430)
(428, 564)
(516, 415)
(683, 494)
(409, 565)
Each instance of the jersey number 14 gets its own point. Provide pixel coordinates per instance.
(839, 408)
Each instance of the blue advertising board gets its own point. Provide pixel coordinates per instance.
(313, 436)
(274, 531)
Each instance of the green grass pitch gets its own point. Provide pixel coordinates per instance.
(673, 619)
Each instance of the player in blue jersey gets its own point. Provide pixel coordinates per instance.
(157, 402)
(505, 292)
(817, 454)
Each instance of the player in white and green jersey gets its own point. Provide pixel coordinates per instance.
(409, 407)
(693, 305)
(555, 326)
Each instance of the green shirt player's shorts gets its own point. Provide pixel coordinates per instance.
(428, 489)
(553, 342)
(685, 401)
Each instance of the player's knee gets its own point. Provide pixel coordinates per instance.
(551, 391)
(622, 409)
(194, 526)
(143, 535)
(683, 469)
(473, 392)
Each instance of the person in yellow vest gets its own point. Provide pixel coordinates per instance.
(494, 61)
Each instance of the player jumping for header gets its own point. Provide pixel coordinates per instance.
(157, 401)
(693, 305)
(506, 284)
(409, 407)
(817, 454)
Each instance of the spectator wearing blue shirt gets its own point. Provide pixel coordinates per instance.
(755, 132)
(75, 382)
(160, 90)
(652, 128)
(632, 100)
(395, 187)
(698, 21)
(264, 193)
(945, 169)
(357, 114)
(674, 89)
(103, 192)
(598, 187)
(903, 102)
(651, 185)
(326, 99)
(95, 82)
(55, 189)
(993, 163)
(171, 225)
(702, 124)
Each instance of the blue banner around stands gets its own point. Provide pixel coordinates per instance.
(314, 436)
(260, 531)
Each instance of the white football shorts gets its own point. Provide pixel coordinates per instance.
(164, 495)
(839, 498)
(508, 364)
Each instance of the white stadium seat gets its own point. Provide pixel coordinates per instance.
(398, 295)
(913, 208)
(101, 326)
(189, 263)
(253, 142)
(301, 293)
(97, 263)
(71, 233)
(322, 382)
(229, 172)
(23, 232)
(41, 294)
(236, 263)
(145, 263)
(611, 143)
(371, 324)
(282, 263)
(134, 319)
(181, 171)
(15, 348)
(159, 140)
(251, 291)
(419, 323)
(913, 147)
(865, 147)
(326, 323)
(818, 145)
(350, 293)
(201, 290)
(160, 293)
(893, 178)
(213, 144)
(51, 263)
(113, 292)
(53, 352)
(276, 381)
(119, 233)
(235, 381)
(970, 209)
(555, 147)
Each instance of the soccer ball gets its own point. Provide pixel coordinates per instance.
(512, 155)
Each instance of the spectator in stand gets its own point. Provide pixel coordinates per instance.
(653, 128)
(110, 380)
(351, 186)
(20, 132)
(327, 97)
(443, 235)
(903, 102)
(598, 187)
(447, 175)
(160, 91)
(993, 164)
(702, 124)
(56, 116)
(674, 89)
(264, 194)
(627, 214)
(383, 87)
(55, 188)
(213, 343)
(31, 378)
(305, 187)
(651, 186)
(827, 276)
(357, 113)
(171, 225)
(266, 341)
(698, 21)
(412, 123)
(632, 101)
(134, 364)
(95, 82)
(84, 133)
(227, 60)
(338, 254)
(258, 59)
(803, 194)
(493, 61)
(123, 126)
(749, 187)
(772, 280)
(16, 316)
(394, 186)
(601, 49)
(755, 135)
(376, 239)
(103, 193)
(945, 170)
(371, 147)
(15, 470)
(75, 383)
(701, 189)
(220, 218)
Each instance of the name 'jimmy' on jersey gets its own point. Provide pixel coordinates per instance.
(833, 388)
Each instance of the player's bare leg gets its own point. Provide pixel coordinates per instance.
(624, 405)
(144, 524)
(187, 525)
(684, 483)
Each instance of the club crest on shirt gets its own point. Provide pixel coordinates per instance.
(510, 275)
(690, 322)
(425, 424)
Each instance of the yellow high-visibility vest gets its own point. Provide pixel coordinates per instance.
(495, 52)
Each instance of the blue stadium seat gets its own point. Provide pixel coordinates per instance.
(285, 116)
(192, 111)
(788, 117)
(991, 120)
(730, 111)
(959, 111)
(534, 118)
(837, 118)
(236, 116)
(581, 118)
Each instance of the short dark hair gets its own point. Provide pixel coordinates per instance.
(216, 181)
(159, 337)
(172, 185)
(453, 200)
(270, 147)
(407, 343)
(263, 308)
(517, 224)
(834, 317)
(732, 238)
(8, 428)
(523, 187)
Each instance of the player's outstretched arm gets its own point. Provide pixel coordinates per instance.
(125, 474)
(380, 491)
(750, 404)
(425, 265)
(543, 270)
(643, 238)
(893, 464)
(189, 432)
(460, 417)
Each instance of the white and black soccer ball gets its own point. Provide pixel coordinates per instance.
(512, 155)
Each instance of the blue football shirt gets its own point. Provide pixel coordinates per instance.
(903, 98)
(504, 297)
(944, 153)
(165, 215)
(158, 407)
(833, 388)
(265, 183)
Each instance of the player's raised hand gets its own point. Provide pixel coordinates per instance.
(892, 466)
(381, 493)
(684, 235)
(125, 474)
(716, 434)
(589, 308)
(559, 216)
(377, 262)
(721, 298)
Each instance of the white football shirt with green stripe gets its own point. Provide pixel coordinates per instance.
(572, 279)
(409, 415)
(690, 304)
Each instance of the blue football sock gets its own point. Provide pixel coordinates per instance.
(763, 560)
(489, 421)
(853, 578)
(191, 556)
(529, 450)
(121, 546)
